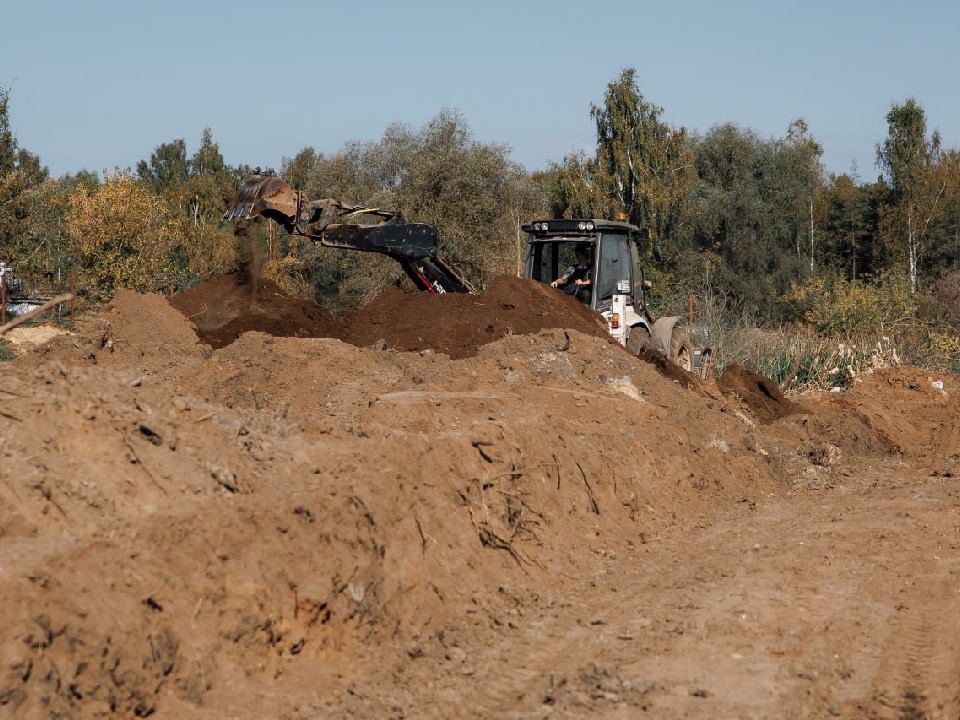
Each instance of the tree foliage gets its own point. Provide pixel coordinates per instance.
(739, 214)
(20, 173)
(209, 187)
(122, 234)
(437, 174)
(849, 241)
(799, 178)
(911, 163)
(168, 167)
(642, 167)
(195, 189)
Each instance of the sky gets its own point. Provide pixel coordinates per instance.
(96, 85)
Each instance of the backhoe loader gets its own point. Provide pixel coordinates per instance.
(611, 247)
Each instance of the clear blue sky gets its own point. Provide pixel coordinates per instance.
(100, 84)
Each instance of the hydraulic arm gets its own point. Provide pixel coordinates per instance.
(332, 223)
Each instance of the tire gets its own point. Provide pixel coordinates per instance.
(638, 339)
(681, 349)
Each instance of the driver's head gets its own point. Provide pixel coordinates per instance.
(581, 254)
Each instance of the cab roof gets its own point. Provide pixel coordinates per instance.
(577, 226)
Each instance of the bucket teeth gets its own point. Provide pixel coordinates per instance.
(262, 194)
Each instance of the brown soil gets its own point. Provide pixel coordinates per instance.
(456, 325)
(230, 305)
(759, 394)
(299, 527)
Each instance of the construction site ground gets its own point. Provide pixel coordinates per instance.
(230, 506)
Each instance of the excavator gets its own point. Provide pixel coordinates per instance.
(611, 248)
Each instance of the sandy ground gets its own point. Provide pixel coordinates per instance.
(321, 525)
(27, 337)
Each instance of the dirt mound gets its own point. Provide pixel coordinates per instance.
(135, 332)
(760, 395)
(454, 324)
(228, 306)
(917, 411)
(243, 527)
(458, 325)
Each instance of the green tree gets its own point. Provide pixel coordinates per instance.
(209, 187)
(168, 167)
(909, 159)
(467, 189)
(8, 142)
(945, 233)
(299, 170)
(799, 178)
(42, 250)
(20, 173)
(850, 226)
(573, 190)
(739, 215)
(642, 167)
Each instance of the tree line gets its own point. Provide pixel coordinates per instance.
(752, 225)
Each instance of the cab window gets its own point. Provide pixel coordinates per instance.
(549, 260)
(614, 264)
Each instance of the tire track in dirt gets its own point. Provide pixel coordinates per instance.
(800, 624)
(919, 673)
(581, 660)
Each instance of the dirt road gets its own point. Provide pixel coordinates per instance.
(841, 603)
(325, 526)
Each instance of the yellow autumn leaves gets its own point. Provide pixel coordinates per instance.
(123, 234)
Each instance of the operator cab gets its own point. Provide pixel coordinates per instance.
(617, 283)
(612, 255)
(616, 289)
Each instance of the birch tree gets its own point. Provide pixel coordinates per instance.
(643, 168)
(909, 160)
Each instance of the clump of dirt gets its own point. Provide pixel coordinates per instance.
(759, 394)
(458, 325)
(136, 332)
(454, 324)
(667, 368)
(228, 306)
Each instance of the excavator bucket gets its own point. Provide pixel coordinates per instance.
(264, 195)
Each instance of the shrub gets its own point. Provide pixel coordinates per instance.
(853, 308)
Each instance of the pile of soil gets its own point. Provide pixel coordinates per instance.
(759, 394)
(454, 324)
(458, 325)
(224, 308)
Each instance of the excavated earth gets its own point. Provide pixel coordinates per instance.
(231, 506)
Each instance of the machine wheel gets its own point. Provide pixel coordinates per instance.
(681, 350)
(638, 339)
